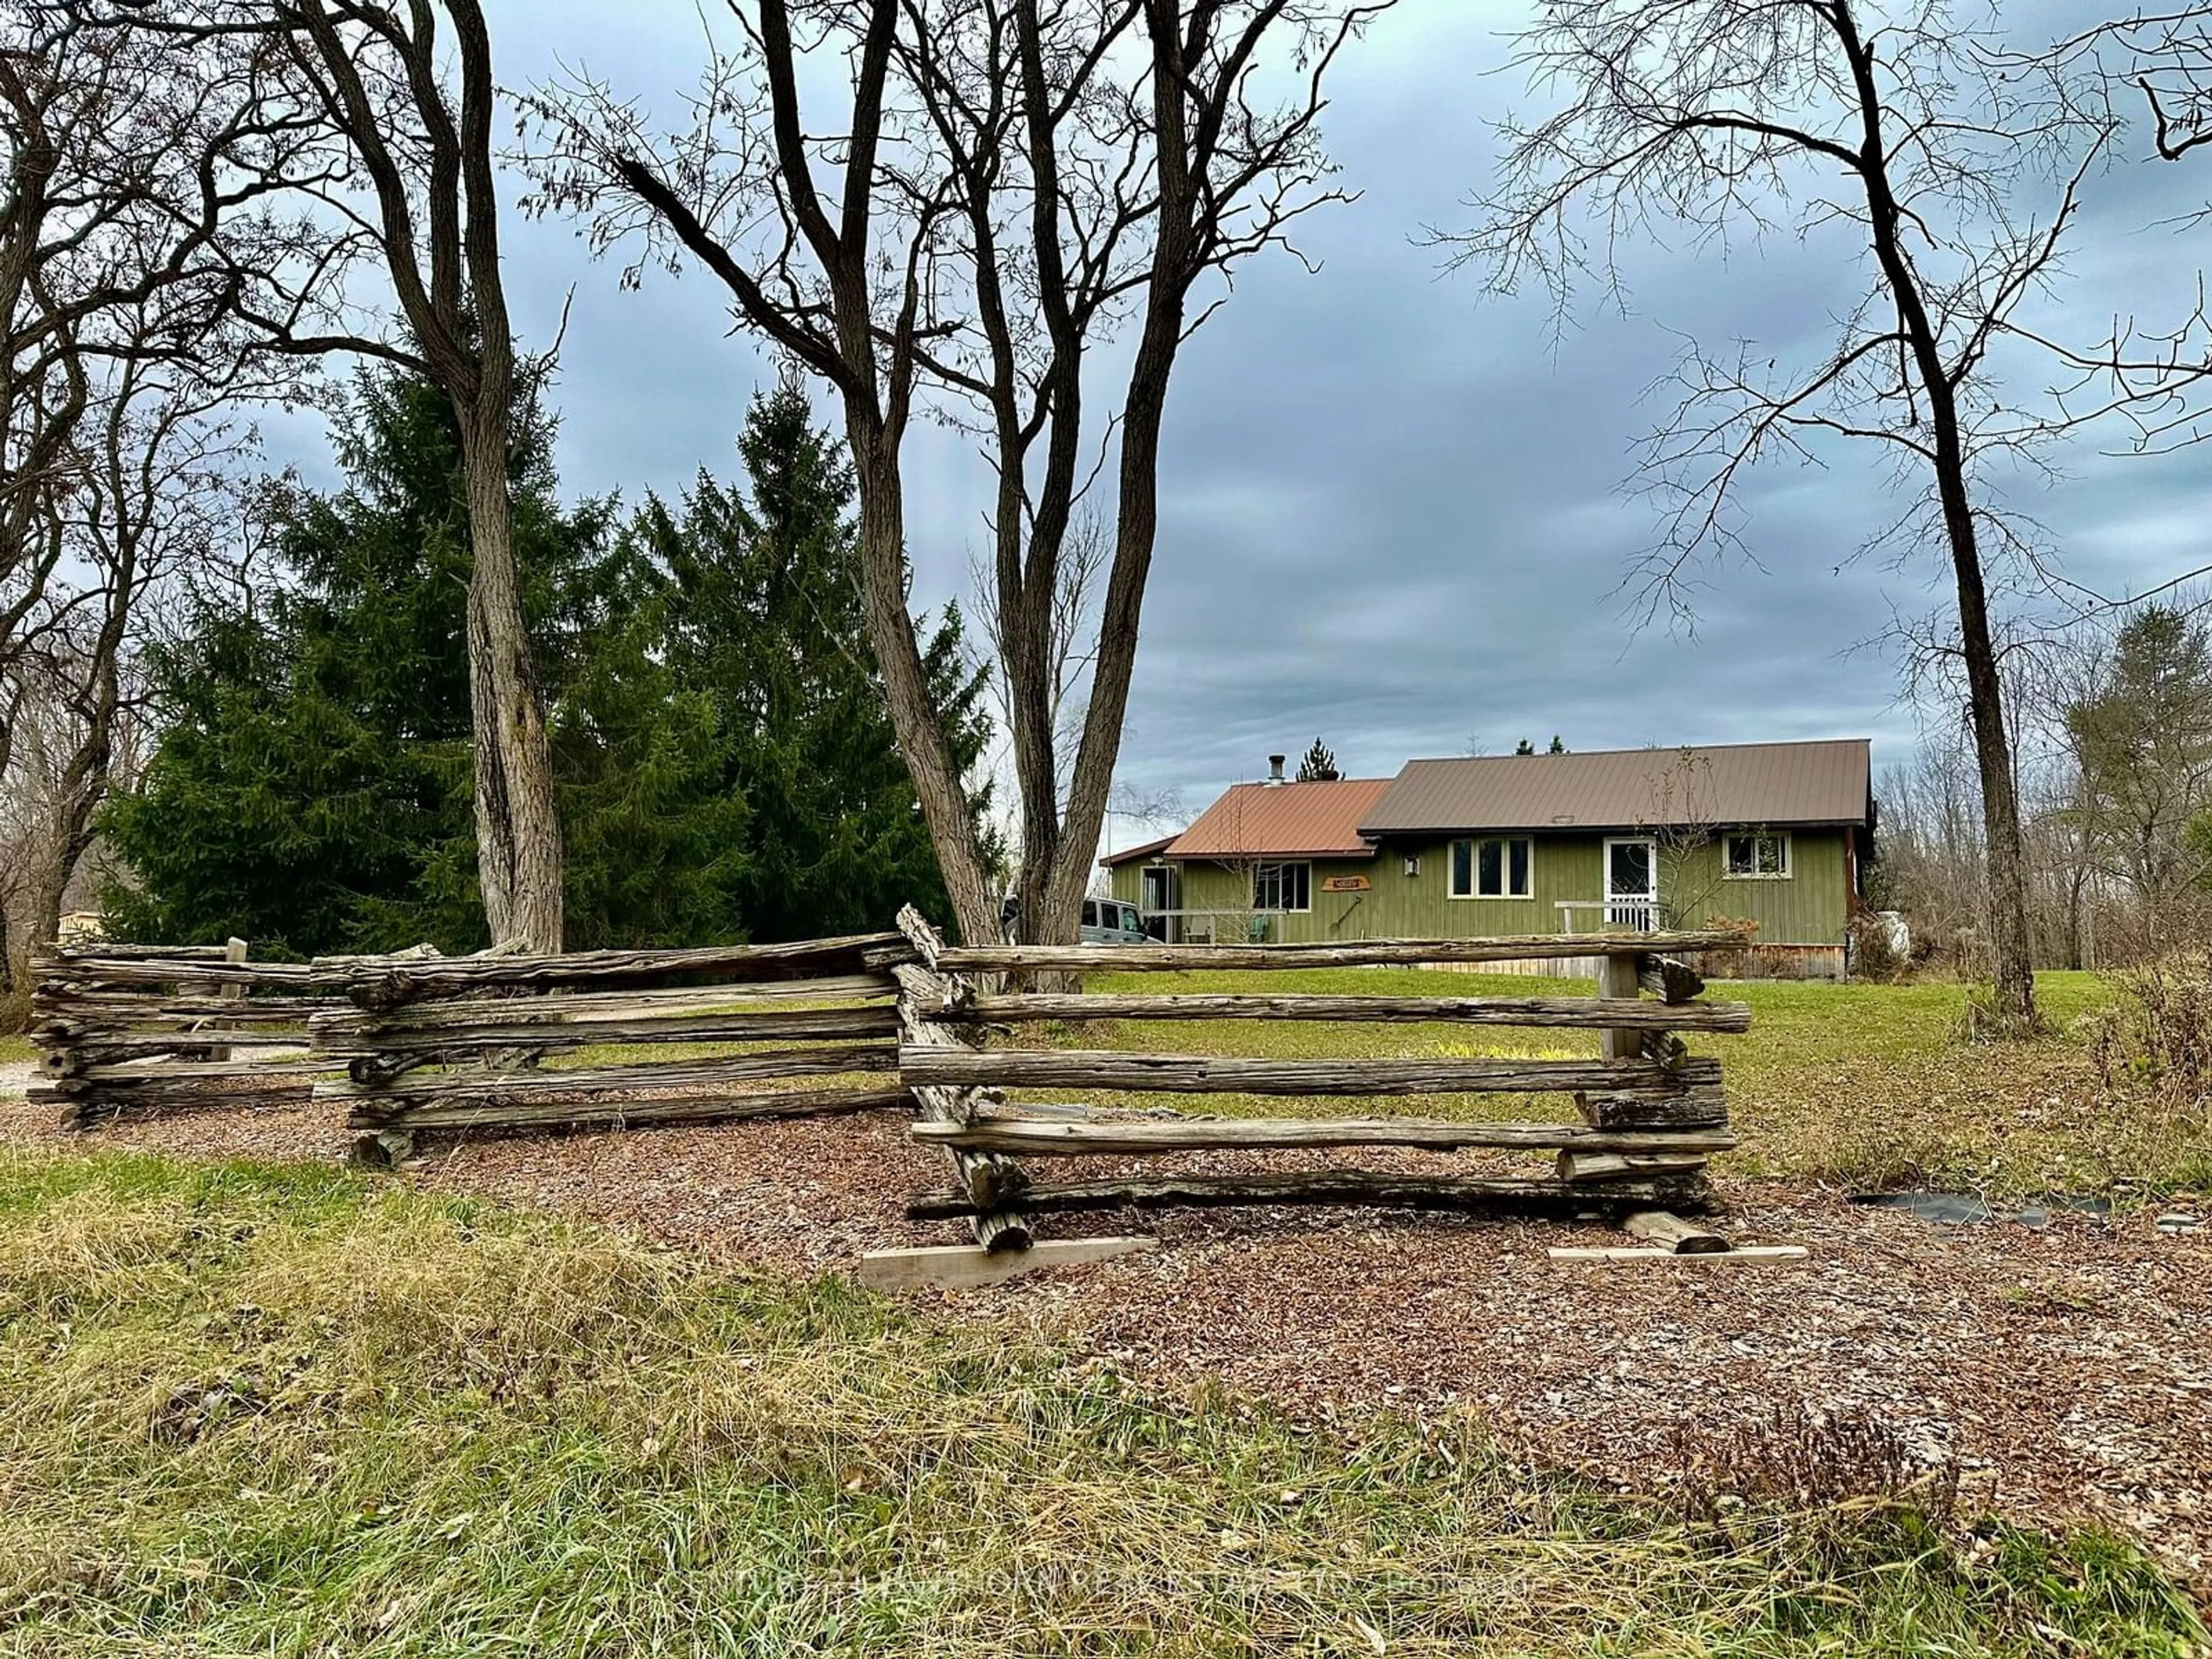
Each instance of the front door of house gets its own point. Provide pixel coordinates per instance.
(1160, 895)
(1632, 884)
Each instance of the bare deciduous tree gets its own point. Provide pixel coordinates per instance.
(119, 331)
(1073, 647)
(1900, 142)
(157, 503)
(389, 109)
(998, 188)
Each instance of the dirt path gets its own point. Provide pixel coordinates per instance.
(2066, 1374)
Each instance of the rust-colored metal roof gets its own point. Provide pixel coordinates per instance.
(1752, 783)
(1283, 820)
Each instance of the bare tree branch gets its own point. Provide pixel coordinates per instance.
(1000, 187)
(1912, 146)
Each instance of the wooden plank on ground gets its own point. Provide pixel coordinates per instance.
(964, 1267)
(1172, 1074)
(1670, 1231)
(1768, 1253)
(1375, 952)
(1013, 1133)
(1572, 1013)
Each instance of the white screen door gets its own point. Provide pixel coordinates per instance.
(1631, 884)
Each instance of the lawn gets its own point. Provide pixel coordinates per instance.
(289, 1412)
(15, 1050)
(1862, 1086)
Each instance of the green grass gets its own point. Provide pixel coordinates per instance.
(15, 1049)
(1865, 1085)
(286, 1412)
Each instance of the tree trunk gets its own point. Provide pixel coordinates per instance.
(52, 881)
(1174, 262)
(518, 822)
(923, 742)
(2007, 857)
(2013, 961)
(2077, 955)
(85, 779)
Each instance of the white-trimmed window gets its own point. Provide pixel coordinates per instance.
(1493, 866)
(1282, 887)
(1755, 855)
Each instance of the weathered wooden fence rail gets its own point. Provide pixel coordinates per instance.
(505, 1042)
(145, 1028)
(1648, 1113)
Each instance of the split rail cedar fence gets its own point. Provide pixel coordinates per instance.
(148, 1029)
(421, 1042)
(1649, 1114)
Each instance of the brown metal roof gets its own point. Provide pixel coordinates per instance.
(1756, 783)
(1143, 849)
(1283, 820)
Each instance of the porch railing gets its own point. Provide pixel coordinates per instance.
(1615, 916)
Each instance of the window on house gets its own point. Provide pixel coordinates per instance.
(1494, 866)
(1282, 887)
(1757, 854)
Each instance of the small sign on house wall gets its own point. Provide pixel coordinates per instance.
(1346, 885)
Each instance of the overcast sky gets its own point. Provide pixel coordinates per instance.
(1391, 515)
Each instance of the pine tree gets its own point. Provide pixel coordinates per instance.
(1319, 765)
(1524, 747)
(761, 605)
(724, 758)
(311, 787)
(1557, 747)
(2141, 735)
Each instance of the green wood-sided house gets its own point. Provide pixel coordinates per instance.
(1774, 835)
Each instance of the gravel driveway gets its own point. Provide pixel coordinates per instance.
(2065, 1373)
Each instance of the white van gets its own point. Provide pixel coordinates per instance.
(1109, 921)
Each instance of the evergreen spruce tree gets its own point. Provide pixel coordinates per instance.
(310, 790)
(725, 761)
(761, 617)
(1319, 765)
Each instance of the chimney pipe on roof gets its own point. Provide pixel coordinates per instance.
(1275, 768)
